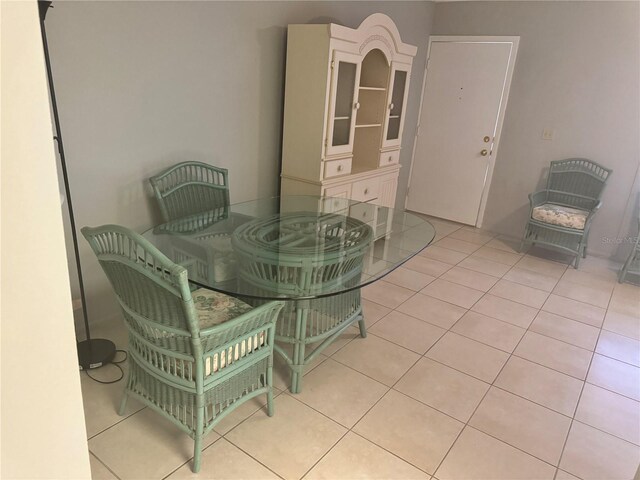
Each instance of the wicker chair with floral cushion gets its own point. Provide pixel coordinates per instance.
(190, 187)
(194, 357)
(560, 216)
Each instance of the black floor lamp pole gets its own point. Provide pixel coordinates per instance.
(96, 352)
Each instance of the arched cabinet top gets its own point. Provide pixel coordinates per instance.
(377, 31)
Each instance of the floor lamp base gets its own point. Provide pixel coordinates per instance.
(95, 353)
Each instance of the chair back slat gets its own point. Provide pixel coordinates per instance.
(577, 176)
(300, 253)
(189, 188)
(152, 291)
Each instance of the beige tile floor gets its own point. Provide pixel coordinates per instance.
(481, 363)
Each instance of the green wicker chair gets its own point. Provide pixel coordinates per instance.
(193, 356)
(632, 265)
(275, 258)
(202, 244)
(190, 187)
(560, 216)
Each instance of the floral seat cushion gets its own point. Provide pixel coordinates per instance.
(560, 215)
(214, 308)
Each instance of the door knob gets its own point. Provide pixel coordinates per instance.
(486, 139)
(356, 105)
(484, 152)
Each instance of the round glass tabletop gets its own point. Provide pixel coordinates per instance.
(292, 247)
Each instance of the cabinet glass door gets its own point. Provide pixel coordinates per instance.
(397, 98)
(342, 109)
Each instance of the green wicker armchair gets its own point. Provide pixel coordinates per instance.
(190, 187)
(560, 216)
(632, 265)
(193, 356)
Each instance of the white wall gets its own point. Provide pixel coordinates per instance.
(578, 72)
(43, 430)
(144, 85)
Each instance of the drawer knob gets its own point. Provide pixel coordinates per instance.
(339, 168)
(390, 158)
(366, 190)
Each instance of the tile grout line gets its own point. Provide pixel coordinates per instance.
(284, 392)
(248, 454)
(476, 409)
(516, 395)
(513, 301)
(117, 423)
(481, 400)
(513, 354)
(582, 422)
(575, 410)
(103, 464)
(385, 394)
(349, 429)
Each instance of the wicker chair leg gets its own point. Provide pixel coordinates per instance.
(525, 244)
(297, 369)
(297, 364)
(363, 327)
(123, 403)
(270, 385)
(576, 261)
(197, 443)
(622, 275)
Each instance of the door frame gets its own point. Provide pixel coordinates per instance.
(514, 41)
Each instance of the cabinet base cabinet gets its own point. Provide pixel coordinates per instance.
(378, 188)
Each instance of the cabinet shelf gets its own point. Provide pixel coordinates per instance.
(373, 89)
(369, 125)
(342, 118)
(394, 116)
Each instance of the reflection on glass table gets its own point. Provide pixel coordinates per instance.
(317, 252)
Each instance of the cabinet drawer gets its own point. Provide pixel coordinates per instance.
(337, 167)
(389, 158)
(365, 190)
(338, 200)
(365, 212)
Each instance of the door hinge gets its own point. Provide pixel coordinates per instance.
(332, 63)
(326, 142)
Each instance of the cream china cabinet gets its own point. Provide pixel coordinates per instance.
(345, 98)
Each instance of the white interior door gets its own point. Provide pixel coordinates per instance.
(464, 98)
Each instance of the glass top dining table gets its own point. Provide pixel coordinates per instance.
(292, 247)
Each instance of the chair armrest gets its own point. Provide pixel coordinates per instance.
(593, 211)
(538, 198)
